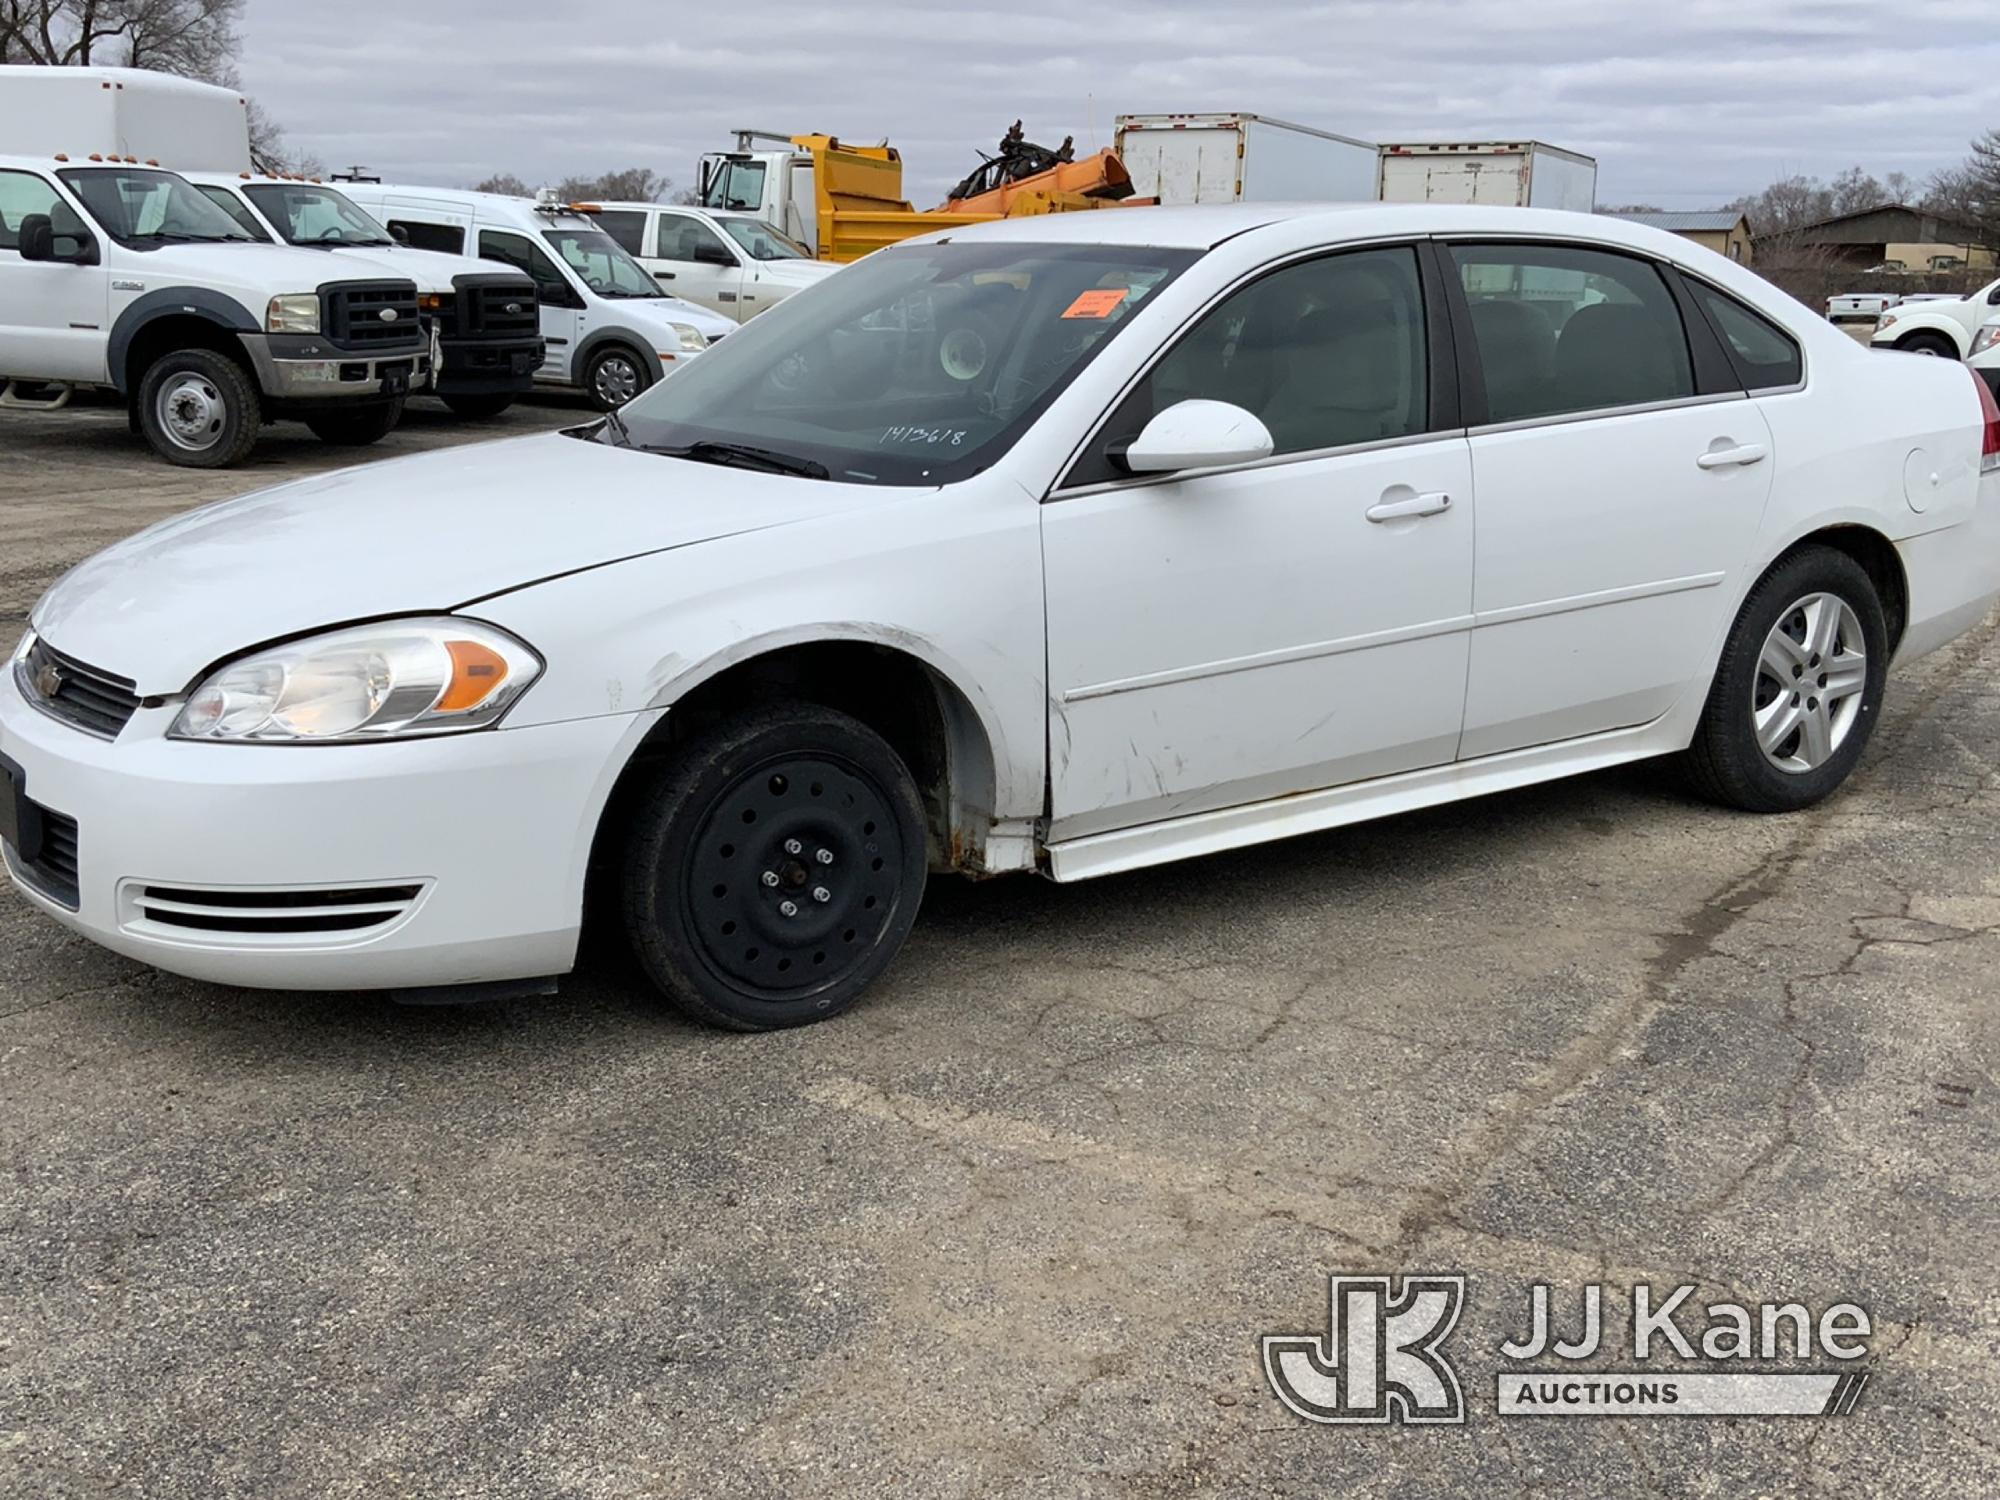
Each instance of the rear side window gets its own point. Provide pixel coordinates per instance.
(626, 226)
(1327, 353)
(1561, 329)
(1764, 354)
(448, 238)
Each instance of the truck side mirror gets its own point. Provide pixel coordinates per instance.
(708, 253)
(400, 233)
(38, 237)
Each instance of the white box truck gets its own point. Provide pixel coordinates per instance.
(1242, 158)
(1511, 174)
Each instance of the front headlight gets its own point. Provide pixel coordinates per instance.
(371, 682)
(1885, 320)
(693, 341)
(294, 312)
(1986, 338)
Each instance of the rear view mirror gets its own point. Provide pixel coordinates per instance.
(1198, 435)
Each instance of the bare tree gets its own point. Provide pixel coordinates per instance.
(630, 185)
(1630, 208)
(504, 182)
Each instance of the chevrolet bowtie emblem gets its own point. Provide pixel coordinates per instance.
(49, 680)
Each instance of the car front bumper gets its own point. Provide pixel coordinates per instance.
(485, 838)
(481, 367)
(305, 369)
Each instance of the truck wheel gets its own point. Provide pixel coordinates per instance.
(199, 409)
(614, 376)
(775, 868)
(479, 408)
(358, 428)
(1929, 343)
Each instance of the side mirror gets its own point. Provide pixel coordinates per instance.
(1198, 435)
(552, 294)
(400, 233)
(708, 253)
(38, 237)
(1992, 297)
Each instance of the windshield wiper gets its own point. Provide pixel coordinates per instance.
(615, 424)
(190, 239)
(743, 456)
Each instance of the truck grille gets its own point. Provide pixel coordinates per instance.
(83, 697)
(53, 870)
(484, 305)
(273, 913)
(370, 314)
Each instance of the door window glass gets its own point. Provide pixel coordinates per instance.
(605, 268)
(1327, 353)
(1561, 330)
(679, 235)
(626, 226)
(523, 254)
(1764, 355)
(448, 238)
(22, 194)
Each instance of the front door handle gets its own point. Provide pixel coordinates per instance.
(1723, 458)
(1435, 503)
(663, 275)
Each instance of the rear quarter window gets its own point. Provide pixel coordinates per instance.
(1765, 356)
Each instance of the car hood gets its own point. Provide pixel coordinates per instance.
(419, 535)
(662, 311)
(798, 272)
(250, 272)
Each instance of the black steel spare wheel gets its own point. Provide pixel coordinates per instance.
(776, 868)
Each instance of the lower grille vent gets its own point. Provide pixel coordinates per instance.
(275, 913)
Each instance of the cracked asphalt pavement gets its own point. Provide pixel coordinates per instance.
(1015, 1226)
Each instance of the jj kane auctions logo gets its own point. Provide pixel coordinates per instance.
(1382, 1357)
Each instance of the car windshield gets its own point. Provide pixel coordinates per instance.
(138, 207)
(918, 365)
(602, 263)
(736, 184)
(761, 242)
(310, 215)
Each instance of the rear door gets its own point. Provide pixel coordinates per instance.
(1621, 475)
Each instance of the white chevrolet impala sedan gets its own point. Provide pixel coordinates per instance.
(1068, 544)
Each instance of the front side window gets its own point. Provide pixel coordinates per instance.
(23, 195)
(736, 184)
(1326, 353)
(1765, 355)
(681, 238)
(761, 242)
(311, 215)
(235, 207)
(142, 209)
(918, 365)
(1562, 329)
(625, 225)
(605, 268)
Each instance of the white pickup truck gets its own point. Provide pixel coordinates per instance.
(1944, 326)
(117, 274)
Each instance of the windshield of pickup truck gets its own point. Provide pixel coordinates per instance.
(141, 209)
(738, 183)
(311, 215)
(918, 365)
(761, 242)
(602, 263)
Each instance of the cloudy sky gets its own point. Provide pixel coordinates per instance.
(1685, 103)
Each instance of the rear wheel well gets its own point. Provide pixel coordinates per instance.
(925, 719)
(1878, 559)
(163, 336)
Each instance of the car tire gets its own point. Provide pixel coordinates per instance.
(199, 409)
(774, 868)
(1766, 747)
(479, 408)
(614, 375)
(1929, 343)
(357, 428)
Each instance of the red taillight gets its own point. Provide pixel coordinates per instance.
(1989, 416)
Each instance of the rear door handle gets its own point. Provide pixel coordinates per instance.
(1435, 503)
(1723, 458)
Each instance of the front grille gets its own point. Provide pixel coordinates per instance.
(483, 308)
(84, 697)
(255, 914)
(351, 314)
(53, 870)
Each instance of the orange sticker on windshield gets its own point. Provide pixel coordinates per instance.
(1100, 302)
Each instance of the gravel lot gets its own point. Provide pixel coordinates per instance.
(1015, 1226)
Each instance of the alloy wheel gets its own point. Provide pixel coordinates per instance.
(1811, 675)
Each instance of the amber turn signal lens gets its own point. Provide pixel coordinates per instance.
(476, 674)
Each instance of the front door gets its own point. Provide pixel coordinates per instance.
(1282, 626)
(693, 262)
(1617, 498)
(52, 313)
(561, 304)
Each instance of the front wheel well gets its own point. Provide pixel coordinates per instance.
(162, 336)
(923, 716)
(1927, 336)
(1879, 560)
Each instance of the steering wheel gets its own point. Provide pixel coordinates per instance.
(331, 232)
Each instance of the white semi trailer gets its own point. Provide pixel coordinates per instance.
(1242, 158)
(1516, 174)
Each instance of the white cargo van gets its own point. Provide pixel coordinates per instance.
(1242, 158)
(117, 273)
(484, 331)
(732, 263)
(610, 331)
